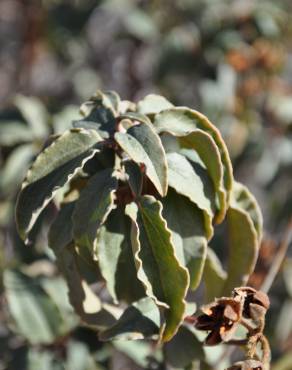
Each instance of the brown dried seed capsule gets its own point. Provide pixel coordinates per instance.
(251, 298)
(247, 365)
(221, 318)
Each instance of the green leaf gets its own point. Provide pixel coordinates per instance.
(243, 240)
(112, 100)
(62, 121)
(141, 25)
(52, 169)
(189, 235)
(84, 301)
(246, 201)
(140, 320)
(208, 152)
(93, 206)
(86, 304)
(184, 179)
(12, 133)
(135, 177)
(184, 348)
(99, 114)
(68, 146)
(100, 161)
(182, 121)
(164, 278)
(200, 147)
(143, 145)
(57, 290)
(214, 277)
(15, 167)
(35, 315)
(153, 104)
(35, 113)
(116, 261)
(61, 231)
(141, 352)
(134, 116)
(79, 357)
(41, 360)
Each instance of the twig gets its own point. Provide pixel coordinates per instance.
(278, 260)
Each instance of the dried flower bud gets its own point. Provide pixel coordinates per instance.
(247, 365)
(255, 304)
(221, 318)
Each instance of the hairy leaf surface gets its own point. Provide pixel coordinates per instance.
(214, 276)
(116, 261)
(99, 114)
(140, 320)
(52, 169)
(183, 348)
(93, 206)
(84, 301)
(182, 121)
(184, 179)
(164, 278)
(189, 234)
(244, 229)
(152, 104)
(246, 201)
(143, 146)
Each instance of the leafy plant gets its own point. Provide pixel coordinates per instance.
(140, 188)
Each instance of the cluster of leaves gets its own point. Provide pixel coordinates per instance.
(140, 188)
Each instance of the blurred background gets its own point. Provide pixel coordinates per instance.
(230, 59)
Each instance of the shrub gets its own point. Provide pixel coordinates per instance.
(139, 189)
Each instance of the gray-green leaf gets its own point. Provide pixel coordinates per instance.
(115, 256)
(35, 314)
(140, 320)
(144, 146)
(182, 121)
(52, 169)
(35, 113)
(164, 278)
(183, 348)
(84, 301)
(245, 200)
(152, 104)
(183, 178)
(214, 276)
(244, 229)
(189, 235)
(93, 206)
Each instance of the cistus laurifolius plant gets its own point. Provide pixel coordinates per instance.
(139, 189)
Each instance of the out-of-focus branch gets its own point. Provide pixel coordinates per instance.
(279, 258)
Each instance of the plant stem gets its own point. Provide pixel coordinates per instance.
(278, 260)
